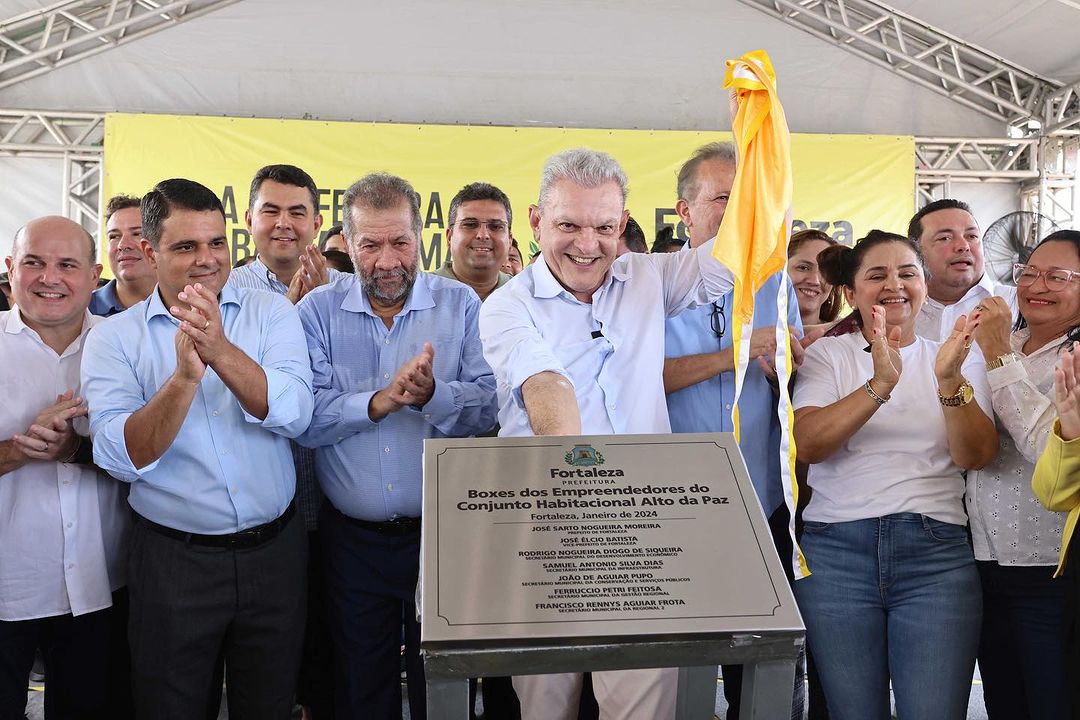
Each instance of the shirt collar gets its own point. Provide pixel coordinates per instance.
(156, 306)
(420, 297)
(545, 285)
(14, 325)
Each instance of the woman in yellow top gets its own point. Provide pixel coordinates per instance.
(1056, 482)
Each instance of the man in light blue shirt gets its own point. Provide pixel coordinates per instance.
(193, 395)
(577, 345)
(699, 370)
(396, 358)
(133, 277)
(283, 218)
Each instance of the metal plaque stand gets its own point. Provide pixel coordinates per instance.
(730, 602)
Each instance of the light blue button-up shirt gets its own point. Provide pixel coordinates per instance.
(226, 470)
(611, 350)
(706, 406)
(373, 470)
(256, 276)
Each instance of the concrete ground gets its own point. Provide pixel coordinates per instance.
(976, 711)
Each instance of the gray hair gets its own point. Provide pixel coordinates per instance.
(687, 184)
(584, 167)
(380, 191)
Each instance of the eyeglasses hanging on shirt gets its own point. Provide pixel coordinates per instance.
(717, 320)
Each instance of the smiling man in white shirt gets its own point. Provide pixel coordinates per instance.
(577, 346)
(64, 521)
(951, 242)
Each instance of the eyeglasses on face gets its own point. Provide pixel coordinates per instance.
(1055, 278)
(495, 227)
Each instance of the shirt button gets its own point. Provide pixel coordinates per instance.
(386, 449)
(613, 407)
(386, 375)
(67, 482)
(71, 566)
(234, 490)
(390, 486)
(216, 413)
(727, 407)
(69, 525)
(224, 452)
(386, 341)
(427, 416)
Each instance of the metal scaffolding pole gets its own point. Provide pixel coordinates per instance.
(39, 41)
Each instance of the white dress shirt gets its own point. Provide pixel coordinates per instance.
(611, 350)
(936, 321)
(63, 526)
(1008, 523)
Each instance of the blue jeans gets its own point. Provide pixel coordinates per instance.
(892, 598)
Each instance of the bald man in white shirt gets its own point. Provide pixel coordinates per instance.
(64, 521)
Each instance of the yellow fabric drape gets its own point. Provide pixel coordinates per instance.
(752, 241)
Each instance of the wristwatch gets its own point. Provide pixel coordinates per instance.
(964, 394)
(1001, 361)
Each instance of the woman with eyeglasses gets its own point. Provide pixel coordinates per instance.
(819, 302)
(888, 422)
(1016, 540)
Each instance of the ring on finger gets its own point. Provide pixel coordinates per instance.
(206, 324)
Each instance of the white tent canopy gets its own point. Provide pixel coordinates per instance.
(627, 64)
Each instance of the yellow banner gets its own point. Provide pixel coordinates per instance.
(843, 184)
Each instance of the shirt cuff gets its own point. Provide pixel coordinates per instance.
(111, 453)
(440, 407)
(1006, 375)
(275, 387)
(354, 412)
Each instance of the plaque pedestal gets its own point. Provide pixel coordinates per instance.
(574, 554)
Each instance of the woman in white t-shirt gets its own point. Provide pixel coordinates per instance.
(888, 422)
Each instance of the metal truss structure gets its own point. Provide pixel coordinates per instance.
(1044, 113)
(74, 138)
(1043, 165)
(40, 41)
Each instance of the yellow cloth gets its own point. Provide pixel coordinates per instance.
(752, 242)
(1056, 483)
(753, 236)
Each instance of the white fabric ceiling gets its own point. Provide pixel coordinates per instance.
(604, 63)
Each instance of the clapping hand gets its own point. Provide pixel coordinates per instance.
(885, 350)
(51, 436)
(954, 351)
(1067, 392)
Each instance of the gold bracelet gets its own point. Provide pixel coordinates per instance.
(873, 395)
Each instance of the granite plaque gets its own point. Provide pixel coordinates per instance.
(598, 536)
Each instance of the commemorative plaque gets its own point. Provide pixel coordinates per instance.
(534, 546)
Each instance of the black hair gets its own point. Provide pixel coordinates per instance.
(334, 230)
(914, 228)
(839, 263)
(665, 239)
(285, 175)
(339, 261)
(176, 193)
(635, 236)
(479, 191)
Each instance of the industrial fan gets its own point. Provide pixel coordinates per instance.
(1010, 240)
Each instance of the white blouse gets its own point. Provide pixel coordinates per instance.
(1008, 524)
